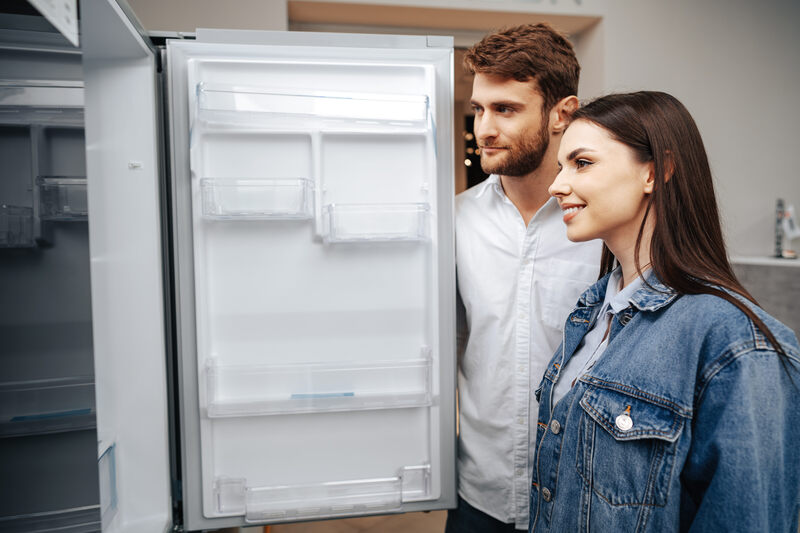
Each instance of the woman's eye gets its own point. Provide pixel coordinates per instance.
(580, 163)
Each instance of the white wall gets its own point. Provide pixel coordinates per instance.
(735, 65)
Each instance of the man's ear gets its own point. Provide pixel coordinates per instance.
(561, 114)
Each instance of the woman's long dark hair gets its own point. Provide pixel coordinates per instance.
(687, 250)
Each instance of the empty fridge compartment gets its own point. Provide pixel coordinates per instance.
(257, 199)
(323, 500)
(376, 222)
(16, 226)
(306, 109)
(253, 390)
(46, 406)
(62, 198)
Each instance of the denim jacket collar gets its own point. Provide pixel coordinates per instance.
(651, 297)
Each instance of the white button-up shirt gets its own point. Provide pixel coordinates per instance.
(517, 285)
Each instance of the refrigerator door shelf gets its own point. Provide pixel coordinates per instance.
(254, 390)
(16, 227)
(46, 406)
(257, 199)
(376, 223)
(281, 109)
(62, 198)
(107, 473)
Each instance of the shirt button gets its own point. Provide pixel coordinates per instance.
(555, 427)
(521, 421)
(546, 496)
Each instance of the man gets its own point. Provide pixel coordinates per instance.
(518, 275)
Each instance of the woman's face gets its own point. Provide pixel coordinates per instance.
(601, 187)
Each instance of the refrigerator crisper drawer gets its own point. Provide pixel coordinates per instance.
(310, 190)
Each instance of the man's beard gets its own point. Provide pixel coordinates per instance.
(523, 158)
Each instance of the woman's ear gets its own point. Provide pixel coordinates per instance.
(648, 177)
(561, 114)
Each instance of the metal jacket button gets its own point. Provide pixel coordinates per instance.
(555, 427)
(546, 496)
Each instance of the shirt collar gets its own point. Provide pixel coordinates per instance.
(617, 299)
(649, 294)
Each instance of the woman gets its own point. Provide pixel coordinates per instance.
(673, 403)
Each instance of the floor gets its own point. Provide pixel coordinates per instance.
(432, 522)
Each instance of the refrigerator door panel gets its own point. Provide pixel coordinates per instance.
(313, 204)
(123, 188)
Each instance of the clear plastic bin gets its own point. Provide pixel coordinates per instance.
(257, 199)
(252, 390)
(325, 500)
(46, 406)
(16, 227)
(107, 473)
(376, 222)
(282, 109)
(62, 198)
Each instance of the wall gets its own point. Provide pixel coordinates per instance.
(734, 64)
(188, 15)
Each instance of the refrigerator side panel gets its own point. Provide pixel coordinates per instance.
(313, 210)
(122, 159)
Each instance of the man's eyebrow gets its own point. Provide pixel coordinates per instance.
(506, 103)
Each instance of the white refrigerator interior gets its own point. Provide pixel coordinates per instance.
(313, 189)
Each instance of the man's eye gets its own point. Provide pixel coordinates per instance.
(504, 109)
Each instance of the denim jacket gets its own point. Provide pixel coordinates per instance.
(688, 422)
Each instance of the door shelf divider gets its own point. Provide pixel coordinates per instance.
(348, 223)
(307, 110)
(46, 406)
(281, 503)
(257, 390)
(257, 198)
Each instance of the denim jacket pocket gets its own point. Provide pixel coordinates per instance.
(626, 447)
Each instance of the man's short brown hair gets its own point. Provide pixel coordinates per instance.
(529, 52)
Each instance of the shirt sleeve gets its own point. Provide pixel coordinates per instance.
(462, 327)
(742, 468)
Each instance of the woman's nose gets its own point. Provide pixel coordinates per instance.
(559, 187)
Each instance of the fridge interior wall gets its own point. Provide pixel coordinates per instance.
(48, 440)
(314, 199)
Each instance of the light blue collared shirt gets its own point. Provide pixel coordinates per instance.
(595, 341)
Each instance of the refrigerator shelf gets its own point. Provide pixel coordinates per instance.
(343, 223)
(16, 227)
(62, 198)
(255, 390)
(46, 406)
(257, 199)
(107, 474)
(321, 500)
(238, 106)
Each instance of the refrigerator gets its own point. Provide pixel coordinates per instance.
(270, 271)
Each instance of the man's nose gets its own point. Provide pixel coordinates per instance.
(485, 128)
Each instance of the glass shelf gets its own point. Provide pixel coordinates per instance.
(375, 222)
(46, 406)
(225, 105)
(62, 198)
(257, 199)
(78, 520)
(254, 390)
(16, 227)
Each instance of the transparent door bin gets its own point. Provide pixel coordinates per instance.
(257, 199)
(107, 471)
(416, 483)
(16, 227)
(46, 406)
(62, 198)
(254, 390)
(325, 500)
(305, 110)
(344, 223)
